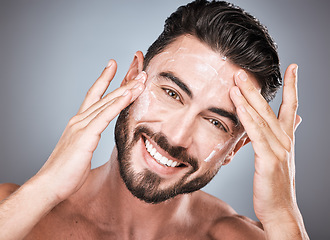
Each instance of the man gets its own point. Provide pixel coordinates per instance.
(199, 95)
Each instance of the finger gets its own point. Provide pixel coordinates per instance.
(272, 133)
(261, 130)
(134, 92)
(100, 86)
(288, 109)
(138, 84)
(99, 123)
(258, 102)
(262, 147)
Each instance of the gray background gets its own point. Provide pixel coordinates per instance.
(52, 51)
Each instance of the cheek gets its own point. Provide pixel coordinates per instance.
(215, 152)
(141, 106)
(218, 153)
(151, 106)
(211, 158)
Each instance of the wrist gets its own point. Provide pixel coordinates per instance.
(30, 203)
(286, 225)
(42, 189)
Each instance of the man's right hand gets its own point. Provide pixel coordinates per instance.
(69, 164)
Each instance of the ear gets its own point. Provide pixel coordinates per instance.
(242, 142)
(135, 68)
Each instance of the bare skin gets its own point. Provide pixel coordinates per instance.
(194, 216)
(67, 200)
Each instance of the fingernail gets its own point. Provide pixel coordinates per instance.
(242, 108)
(242, 76)
(238, 92)
(109, 64)
(138, 86)
(125, 93)
(141, 77)
(295, 71)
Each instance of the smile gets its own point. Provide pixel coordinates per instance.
(159, 158)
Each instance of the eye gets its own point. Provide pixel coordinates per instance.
(172, 94)
(217, 124)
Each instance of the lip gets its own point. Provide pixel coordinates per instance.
(155, 166)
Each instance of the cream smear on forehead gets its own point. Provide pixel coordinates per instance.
(209, 72)
(199, 63)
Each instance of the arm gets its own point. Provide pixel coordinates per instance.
(272, 139)
(68, 166)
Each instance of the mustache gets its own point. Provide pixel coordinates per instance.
(161, 140)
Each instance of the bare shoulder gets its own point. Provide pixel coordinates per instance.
(209, 205)
(7, 189)
(224, 222)
(236, 227)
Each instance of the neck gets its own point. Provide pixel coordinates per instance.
(109, 201)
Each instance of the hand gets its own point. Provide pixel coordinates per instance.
(272, 139)
(69, 164)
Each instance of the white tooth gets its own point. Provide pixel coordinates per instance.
(147, 143)
(153, 151)
(158, 156)
(163, 160)
(174, 164)
(169, 163)
(149, 148)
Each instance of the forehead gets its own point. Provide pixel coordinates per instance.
(188, 56)
(203, 70)
(197, 64)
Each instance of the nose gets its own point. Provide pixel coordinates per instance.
(179, 128)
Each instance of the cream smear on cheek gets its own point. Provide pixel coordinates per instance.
(221, 146)
(142, 104)
(216, 149)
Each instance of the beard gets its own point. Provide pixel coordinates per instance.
(145, 185)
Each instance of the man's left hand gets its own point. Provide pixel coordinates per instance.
(272, 138)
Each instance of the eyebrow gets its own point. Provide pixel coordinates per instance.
(177, 81)
(231, 116)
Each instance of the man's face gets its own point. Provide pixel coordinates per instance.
(174, 138)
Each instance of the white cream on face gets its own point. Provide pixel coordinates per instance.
(141, 105)
(207, 74)
(210, 156)
(221, 146)
(199, 64)
(199, 69)
(217, 148)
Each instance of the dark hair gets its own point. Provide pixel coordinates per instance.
(232, 32)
